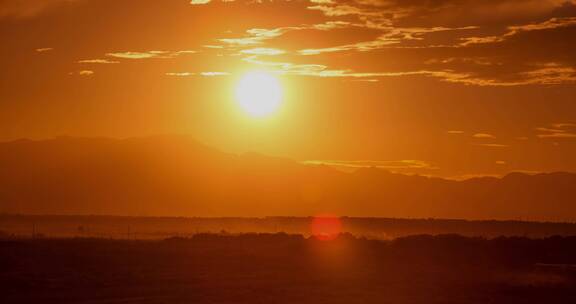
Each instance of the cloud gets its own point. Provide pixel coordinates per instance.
(82, 73)
(499, 71)
(359, 46)
(490, 69)
(552, 23)
(391, 36)
(330, 25)
(137, 55)
(366, 80)
(42, 50)
(180, 74)
(487, 12)
(491, 145)
(559, 75)
(207, 74)
(98, 61)
(455, 132)
(557, 130)
(469, 64)
(257, 36)
(549, 130)
(483, 135)
(462, 53)
(343, 10)
(263, 51)
(461, 60)
(382, 164)
(211, 74)
(551, 75)
(148, 54)
(558, 135)
(320, 70)
(563, 125)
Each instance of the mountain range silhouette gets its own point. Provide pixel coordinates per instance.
(177, 176)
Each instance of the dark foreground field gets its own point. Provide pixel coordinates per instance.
(279, 268)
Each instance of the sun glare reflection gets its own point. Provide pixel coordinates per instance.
(326, 227)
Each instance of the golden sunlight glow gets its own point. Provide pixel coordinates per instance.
(259, 93)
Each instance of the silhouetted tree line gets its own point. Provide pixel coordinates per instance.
(161, 227)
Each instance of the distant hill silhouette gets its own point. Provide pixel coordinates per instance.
(175, 175)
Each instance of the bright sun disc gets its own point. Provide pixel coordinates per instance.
(259, 93)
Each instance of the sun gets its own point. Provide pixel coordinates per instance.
(259, 93)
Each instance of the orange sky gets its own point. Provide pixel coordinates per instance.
(448, 88)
